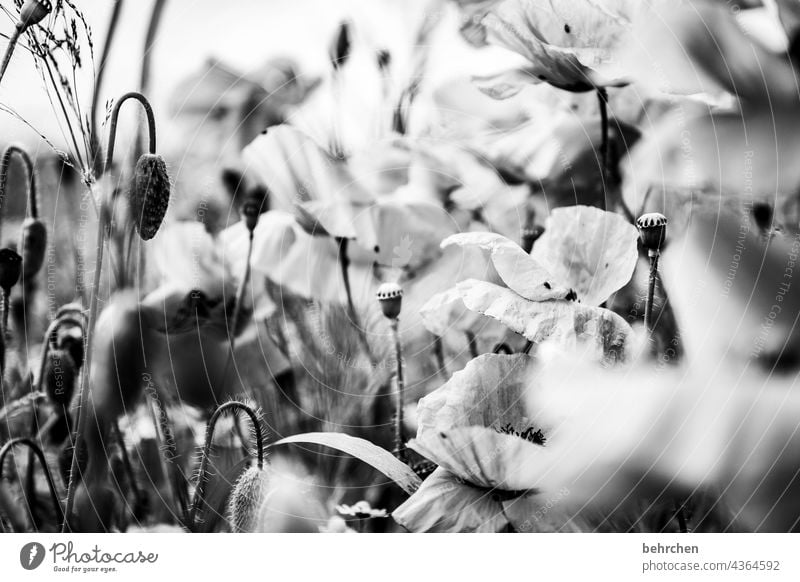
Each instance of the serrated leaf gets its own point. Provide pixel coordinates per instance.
(516, 268)
(590, 250)
(378, 458)
(565, 323)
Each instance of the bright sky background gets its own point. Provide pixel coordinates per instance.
(242, 33)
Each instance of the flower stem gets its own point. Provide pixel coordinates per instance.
(204, 460)
(126, 463)
(473, 344)
(39, 455)
(103, 232)
(399, 441)
(651, 289)
(438, 351)
(12, 43)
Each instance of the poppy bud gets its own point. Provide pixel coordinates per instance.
(34, 245)
(652, 230)
(251, 207)
(149, 196)
(530, 236)
(340, 48)
(245, 500)
(59, 377)
(33, 12)
(390, 297)
(384, 59)
(69, 338)
(10, 269)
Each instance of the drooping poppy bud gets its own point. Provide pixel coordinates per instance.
(245, 500)
(252, 205)
(10, 269)
(59, 377)
(652, 230)
(33, 12)
(390, 297)
(33, 242)
(149, 195)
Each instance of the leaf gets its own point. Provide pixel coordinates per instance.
(489, 392)
(516, 268)
(381, 459)
(446, 504)
(588, 249)
(562, 322)
(482, 456)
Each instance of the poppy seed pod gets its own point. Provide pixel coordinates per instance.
(390, 297)
(530, 236)
(33, 242)
(652, 230)
(149, 195)
(245, 500)
(59, 379)
(33, 12)
(10, 269)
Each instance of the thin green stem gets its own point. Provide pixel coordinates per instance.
(103, 233)
(651, 289)
(12, 43)
(399, 441)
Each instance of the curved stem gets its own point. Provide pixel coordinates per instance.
(203, 470)
(399, 450)
(12, 43)
(40, 455)
(149, 42)
(103, 232)
(126, 463)
(5, 164)
(112, 132)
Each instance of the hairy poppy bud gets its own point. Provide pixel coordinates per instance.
(69, 338)
(34, 245)
(245, 500)
(149, 196)
(10, 269)
(530, 236)
(33, 12)
(390, 297)
(59, 377)
(652, 230)
(340, 48)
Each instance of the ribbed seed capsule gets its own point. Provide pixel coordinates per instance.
(149, 196)
(34, 245)
(245, 500)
